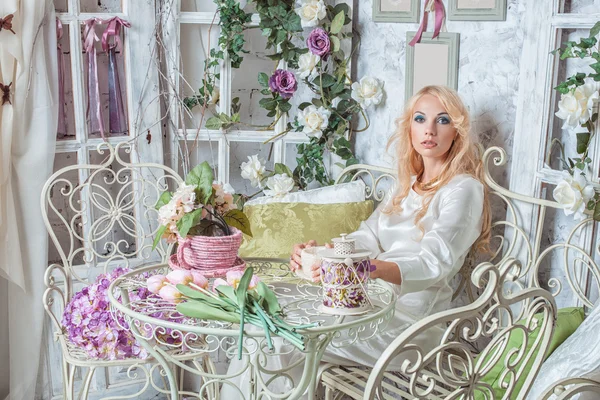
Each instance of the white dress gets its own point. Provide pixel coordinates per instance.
(427, 261)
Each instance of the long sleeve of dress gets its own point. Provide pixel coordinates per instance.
(447, 239)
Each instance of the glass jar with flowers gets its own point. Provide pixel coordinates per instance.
(203, 218)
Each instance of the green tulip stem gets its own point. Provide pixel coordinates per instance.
(241, 337)
(264, 315)
(202, 290)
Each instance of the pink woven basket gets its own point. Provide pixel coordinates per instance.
(209, 252)
(239, 265)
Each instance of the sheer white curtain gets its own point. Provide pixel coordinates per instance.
(28, 131)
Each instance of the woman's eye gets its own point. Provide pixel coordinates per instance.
(419, 118)
(443, 120)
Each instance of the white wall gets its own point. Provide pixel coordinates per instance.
(4, 371)
(488, 76)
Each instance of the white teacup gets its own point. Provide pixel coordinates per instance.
(308, 258)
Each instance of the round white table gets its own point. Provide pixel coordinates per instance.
(166, 334)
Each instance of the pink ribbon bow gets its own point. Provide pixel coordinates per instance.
(94, 108)
(113, 29)
(440, 14)
(61, 129)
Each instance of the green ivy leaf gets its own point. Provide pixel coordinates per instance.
(597, 212)
(202, 177)
(263, 80)
(337, 23)
(239, 220)
(302, 106)
(285, 106)
(595, 30)
(213, 123)
(583, 139)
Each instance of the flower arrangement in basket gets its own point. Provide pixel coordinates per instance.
(201, 215)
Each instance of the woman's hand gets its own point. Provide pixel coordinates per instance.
(296, 259)
(315, 269)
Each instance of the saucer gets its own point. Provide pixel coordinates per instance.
(240, 265)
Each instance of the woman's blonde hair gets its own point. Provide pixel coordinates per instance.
(463, 157)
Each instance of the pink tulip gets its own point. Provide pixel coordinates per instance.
(170, 293)
(234, 277)
(219, 282)
(156, 282)
(180, 276)
(199, 279)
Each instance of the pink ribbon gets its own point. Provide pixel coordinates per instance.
(440, 14)
(113, 30)
(61, 129)
(94, 108)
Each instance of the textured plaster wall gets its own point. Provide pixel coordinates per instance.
(488, 77)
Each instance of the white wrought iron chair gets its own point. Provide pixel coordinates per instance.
(512, 240)
(101, 216)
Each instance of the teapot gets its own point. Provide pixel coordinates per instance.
(345, 271)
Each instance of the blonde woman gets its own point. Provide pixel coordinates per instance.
(421, 233)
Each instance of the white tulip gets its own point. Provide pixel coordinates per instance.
(311, 12)
(279, 185)
(254, 170)
(368, 91)
(314, 120)
(307, 65)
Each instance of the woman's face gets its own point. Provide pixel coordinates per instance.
(431, 129)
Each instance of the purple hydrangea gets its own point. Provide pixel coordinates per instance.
(318, 43)
(283, 82)
(90, 325)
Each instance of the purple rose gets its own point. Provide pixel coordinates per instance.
(283, 82)
(318, 42)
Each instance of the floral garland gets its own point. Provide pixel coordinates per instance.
(580, 94)
(321, 66)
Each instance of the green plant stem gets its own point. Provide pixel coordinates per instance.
(366, 120)
(277, 136)
(325, 103)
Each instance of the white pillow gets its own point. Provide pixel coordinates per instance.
(351, 192)
(577, 356)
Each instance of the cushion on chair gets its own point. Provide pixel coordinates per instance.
(578, 356)
(276, 227)
(568, 320)
(350, 192)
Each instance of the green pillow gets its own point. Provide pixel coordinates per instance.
(276, 227)
(568, 320)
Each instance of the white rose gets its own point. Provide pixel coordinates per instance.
(576, 108)
(254, 170)
(307, 65)
(368, 91)
(314, 120)
(573, 193)
(184, 197)
(279, 185)
(310, 12)
(588, 97)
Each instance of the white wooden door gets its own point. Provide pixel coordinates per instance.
(535, 165)
(139, 80)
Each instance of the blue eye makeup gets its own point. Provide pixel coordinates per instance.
(419, 118)
(443, 120)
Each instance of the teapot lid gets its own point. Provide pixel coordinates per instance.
(330, 253)
(343, 239)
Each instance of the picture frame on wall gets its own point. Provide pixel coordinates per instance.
(396, 10)
(477, 10)
(431, 61)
